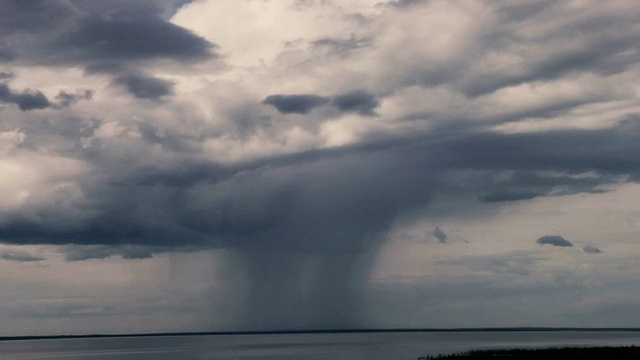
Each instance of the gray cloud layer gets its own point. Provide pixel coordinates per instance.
(26, 100)
(358, 101)
(131, 36)
(141, 181)
(589, 249)
(20, 256)
(440, 235)
(121, 36)
(145, 87)
(212, 204)
(296, 104)
(554, 240)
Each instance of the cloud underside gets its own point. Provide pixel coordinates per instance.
(20, 256)
(120, 40)
(320, 201)
(83, 33)
(145, 87)
(440, 235)
(134, 128)
(554, 240)
(358, 101)
(224, 161)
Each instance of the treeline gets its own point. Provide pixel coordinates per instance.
(578, 353)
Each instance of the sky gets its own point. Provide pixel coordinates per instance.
(217, 165)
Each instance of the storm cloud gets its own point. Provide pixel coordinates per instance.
(296, 104)
(295, 153)
(20, 256)
(356, 101)
(145, 87)
(555, 240)
(79, 253)
(65, 98)
(440, 235)
(132, 36)
(25, 100)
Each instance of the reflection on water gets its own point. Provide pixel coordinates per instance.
(370, 346)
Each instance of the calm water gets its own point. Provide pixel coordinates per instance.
(302, 346)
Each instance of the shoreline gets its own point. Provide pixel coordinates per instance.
(552, 353)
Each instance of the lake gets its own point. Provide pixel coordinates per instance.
(351, 346)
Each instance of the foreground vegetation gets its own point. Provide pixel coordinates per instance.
(580, 353)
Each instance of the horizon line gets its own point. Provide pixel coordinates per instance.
(318, 331)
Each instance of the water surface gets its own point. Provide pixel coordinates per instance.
(337, 346)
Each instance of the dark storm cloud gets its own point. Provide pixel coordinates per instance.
(440, 235)
(239, 207)
(26, 100)
(79, 253)
(358, 101)
(554, 240)
(608, 151)
(301, 227)
(509, 196)
(62, 33)
(591, 249)
(301, 224)
(132, 36)
(6, 55)
(144, 86)
(113, 68)
(33, 16)
(65, 99)
(33, 99)
(525, 185)
(295, 104)
(20, 256)
(345, 192)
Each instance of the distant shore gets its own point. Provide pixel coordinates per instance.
(324, 331)
(566, 353)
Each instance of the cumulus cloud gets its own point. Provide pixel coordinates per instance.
(502, 102)
(115, 39)
(555, 240)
